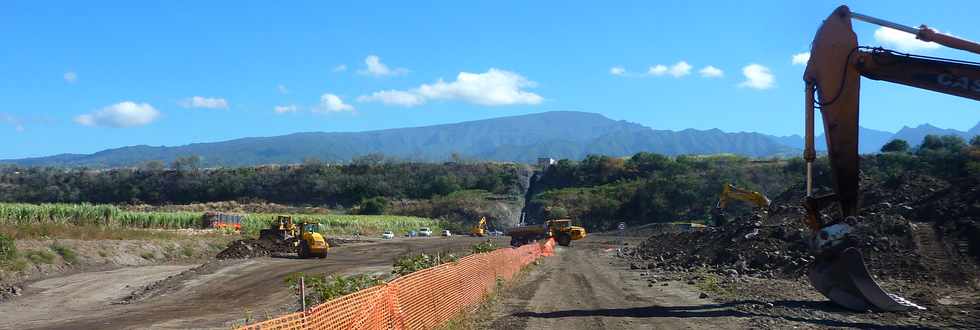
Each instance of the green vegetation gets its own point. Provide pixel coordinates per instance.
(39, 257)
(313, 183)
(896, 145)
(8, 250)
(51, 220)
(600, 191)
(374, 206)
(148, 255)
(66, 253)
(486, 246)
(409, 264)
(320, 289)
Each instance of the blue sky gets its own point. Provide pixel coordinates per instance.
(81, 77)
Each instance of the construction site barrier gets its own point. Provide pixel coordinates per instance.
(421, 300)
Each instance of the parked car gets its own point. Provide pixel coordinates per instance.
(425, 231)
(446, 233)
(388, 235)
(411, 233)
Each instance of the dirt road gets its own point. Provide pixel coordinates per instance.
(214, 299)
(586, 287)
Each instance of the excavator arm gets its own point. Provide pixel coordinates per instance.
(833, 82)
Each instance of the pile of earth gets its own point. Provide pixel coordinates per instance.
(253, 248)
(918, 228)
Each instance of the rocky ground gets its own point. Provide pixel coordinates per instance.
(920, 238)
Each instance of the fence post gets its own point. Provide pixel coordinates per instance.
(302, 292)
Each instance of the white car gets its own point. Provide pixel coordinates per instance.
(425, 231)
(446, 233)
(388, 235)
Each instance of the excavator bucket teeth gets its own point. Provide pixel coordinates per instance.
(844, 279)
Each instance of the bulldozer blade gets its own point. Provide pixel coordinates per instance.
(844, 279)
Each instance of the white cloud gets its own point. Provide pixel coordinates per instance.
(394, 97)
(332, 103)
(657, 70)
(204, 102)
(801, 58)
(341, 68)
(374, 67)
(122, 114)
(617, 71)
(677, 70)
(11, 120)
(285, 108)
(492, 88)
(282, 89)
(757, 77)
(902, 41)
(711, 72)
(680, 69)
(71, 77)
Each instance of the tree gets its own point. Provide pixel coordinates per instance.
(975, 141)
(896, 145)
(374, 206)
(185, 164)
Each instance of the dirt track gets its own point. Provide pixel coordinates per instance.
(587, 287)
(214, 300)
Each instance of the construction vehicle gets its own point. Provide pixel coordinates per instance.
(280, 230)
(480, 229)
(561, 229)
(310, 243)
(833, 81)
(305, 237)
(219, 220)
(729, 192)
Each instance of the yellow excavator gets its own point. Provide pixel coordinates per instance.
(729, 192)
(833, 84)
(480, 229)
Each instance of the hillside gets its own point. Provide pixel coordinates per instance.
(559, 134)
(872, 139)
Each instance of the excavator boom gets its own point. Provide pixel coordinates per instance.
(833, 83)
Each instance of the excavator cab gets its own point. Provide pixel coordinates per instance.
(833, 77)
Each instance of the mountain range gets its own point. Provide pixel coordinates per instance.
(557, 134)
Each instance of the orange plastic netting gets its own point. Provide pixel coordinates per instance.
(421, 300)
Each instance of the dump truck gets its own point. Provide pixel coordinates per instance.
(561, 229)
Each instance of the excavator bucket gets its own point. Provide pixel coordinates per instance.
(844, 279)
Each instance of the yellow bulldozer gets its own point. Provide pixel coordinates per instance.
(561, 229)
(305, 237)
(729, 192)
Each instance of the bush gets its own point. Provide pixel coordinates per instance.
(39, 257)
(320, 289)
(483, 247)
(413, 263)
(65, 252)
(8, 250)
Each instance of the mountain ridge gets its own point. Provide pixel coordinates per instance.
(522, 138)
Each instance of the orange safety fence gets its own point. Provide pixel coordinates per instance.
(421, 300)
